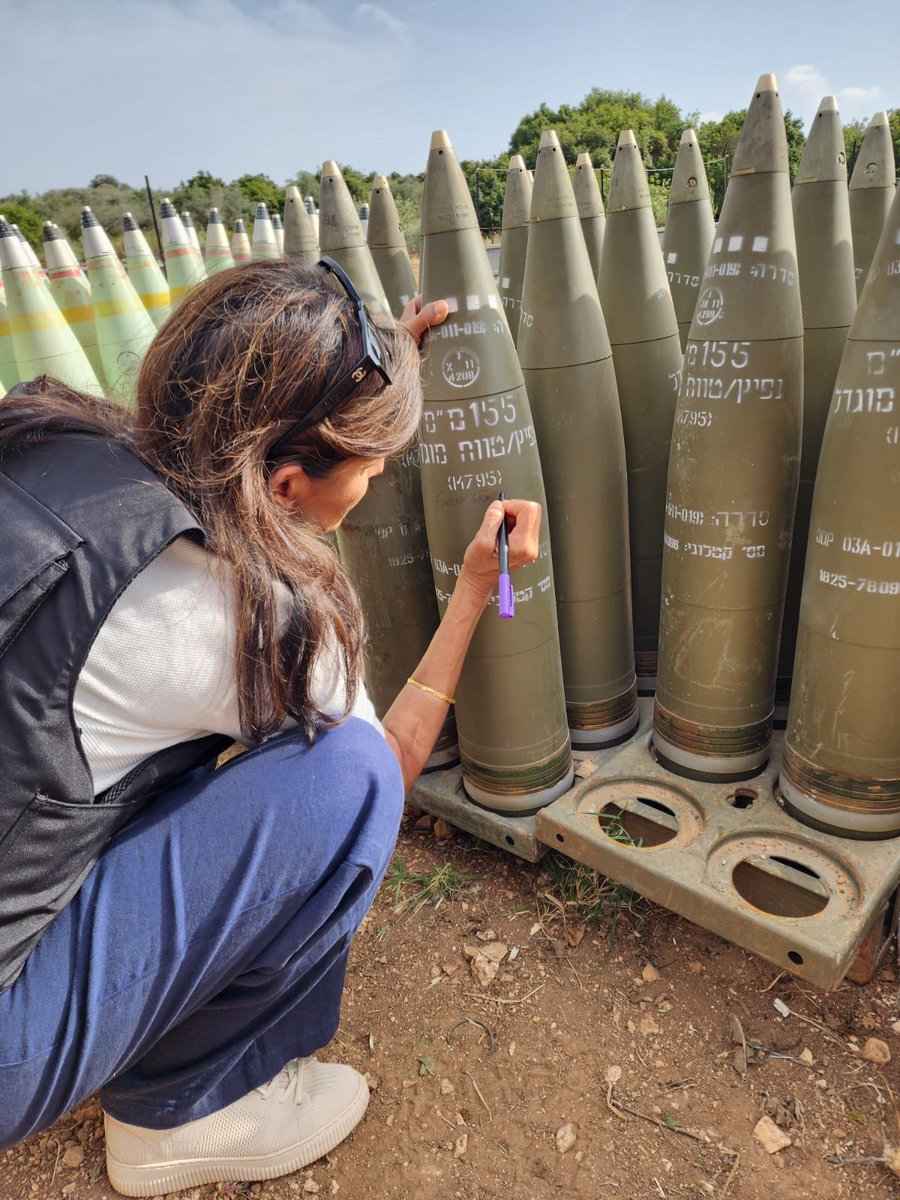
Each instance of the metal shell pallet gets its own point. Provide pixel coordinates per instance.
(723, 855)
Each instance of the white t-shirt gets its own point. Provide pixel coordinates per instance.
(161, 670)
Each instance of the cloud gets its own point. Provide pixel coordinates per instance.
(380, 17)
(804, 85)
(168, 87)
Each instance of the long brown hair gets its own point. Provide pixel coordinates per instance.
(241, 359)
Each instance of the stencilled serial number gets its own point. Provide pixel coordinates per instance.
(405, 528)
(879, 587)
(723, 519)
(481, 479)
(408, 560)
(702, 418)
(852, 544)
(677, 279)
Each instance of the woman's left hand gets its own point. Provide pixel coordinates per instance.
(419, 318)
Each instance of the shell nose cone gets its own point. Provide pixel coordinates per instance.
(549, 139)
(762, 145)
(440, 140)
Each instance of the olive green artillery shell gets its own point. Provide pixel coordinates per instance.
(341, 236)
(690, 228)
(733, 473)
(643, 331)
(841, 767)
(571, 383)
(872, 187)
(384, 549)
(828, 297)
(386, 240)
(300, 242)
(514, 241)
(477, 437)
(42, 341)
(590, 209)
(383, 544)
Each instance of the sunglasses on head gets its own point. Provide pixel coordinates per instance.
(374, 358)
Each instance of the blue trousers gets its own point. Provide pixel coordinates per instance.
(208, 945)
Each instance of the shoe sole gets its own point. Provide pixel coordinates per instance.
(155, 1179)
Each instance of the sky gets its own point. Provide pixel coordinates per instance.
(170, 87)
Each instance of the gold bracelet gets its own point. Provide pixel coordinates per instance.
(423, 687)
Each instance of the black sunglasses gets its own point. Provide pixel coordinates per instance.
(374, 358)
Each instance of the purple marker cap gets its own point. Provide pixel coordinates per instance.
(507, 599)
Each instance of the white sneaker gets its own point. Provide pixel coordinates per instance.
(301, 1114)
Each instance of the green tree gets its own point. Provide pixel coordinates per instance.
(308, 183)
(106, 181)
(260, 189)
(487, 183)
(594, 125)
(30, 223)
(203, 181)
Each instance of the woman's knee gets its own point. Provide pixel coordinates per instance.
(342, 796)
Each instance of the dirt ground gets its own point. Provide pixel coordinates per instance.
(606, 1058)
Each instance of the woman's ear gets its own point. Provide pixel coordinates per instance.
(290, 486)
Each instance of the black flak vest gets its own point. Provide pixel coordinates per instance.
(80, 517)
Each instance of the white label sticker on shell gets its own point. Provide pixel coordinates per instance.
(672, 256)
(473, 303)
(760, 245)
(735, 242)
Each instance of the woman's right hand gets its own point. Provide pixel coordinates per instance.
(480, 562)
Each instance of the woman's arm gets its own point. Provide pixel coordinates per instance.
(414, 720)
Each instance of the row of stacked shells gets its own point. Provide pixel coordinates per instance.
(671, 405)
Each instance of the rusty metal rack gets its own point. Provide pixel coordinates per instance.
(723, 855)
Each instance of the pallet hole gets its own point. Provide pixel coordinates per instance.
(642, 824)
(742, 798)
(781, 886)
(795, 957)
(510, 841)
(560, 838)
